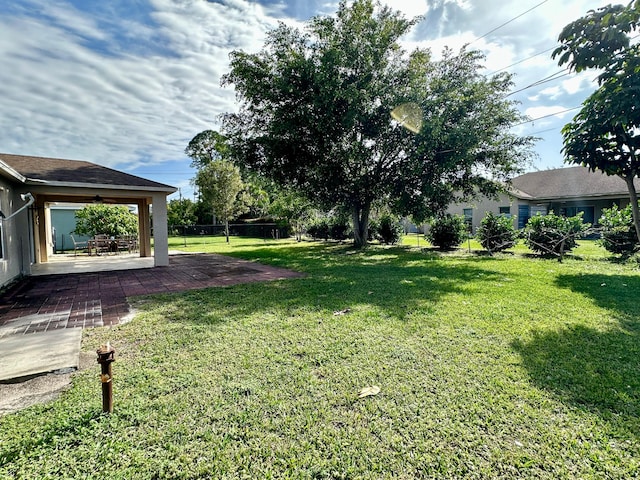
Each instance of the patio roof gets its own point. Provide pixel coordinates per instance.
(59, 172)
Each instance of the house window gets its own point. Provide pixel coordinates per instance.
(505, 210)
(588, 214)
(468, 217)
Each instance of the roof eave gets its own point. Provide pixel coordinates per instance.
(163, 189)
(12, 173)
(603, 196)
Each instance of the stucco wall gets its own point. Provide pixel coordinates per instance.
(481, 206)
(14, 235)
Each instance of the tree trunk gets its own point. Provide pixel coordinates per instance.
(633, 196)
(360, 217)
(226, 229)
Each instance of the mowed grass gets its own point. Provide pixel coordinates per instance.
(488, 367)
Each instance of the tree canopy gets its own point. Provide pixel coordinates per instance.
(604, 135)
(206, 147)
(221, 186)
(181, 211)
(315, 116)
(112, 220)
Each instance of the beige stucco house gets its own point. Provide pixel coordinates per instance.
(565, 191)
(29, 185)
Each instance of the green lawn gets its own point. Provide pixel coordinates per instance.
(489, 367)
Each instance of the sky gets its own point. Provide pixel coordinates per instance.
(128, 83)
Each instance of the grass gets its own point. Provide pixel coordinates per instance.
(489, 367)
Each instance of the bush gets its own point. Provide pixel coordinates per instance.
(618, 230)
(111, 220)
(336, 228)
(447, 232)
(496, 233)
(319, 229)
(554, 235)
(390, 230)
(339, 229)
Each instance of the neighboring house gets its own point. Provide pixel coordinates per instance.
(30, 185)
(565, 191)
(63, 223)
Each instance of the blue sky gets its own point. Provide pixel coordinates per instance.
(127, 83)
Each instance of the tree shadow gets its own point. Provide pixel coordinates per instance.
(595, 369)
(394, 280)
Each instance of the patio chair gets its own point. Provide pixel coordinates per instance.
(102, 243)
(78, 246)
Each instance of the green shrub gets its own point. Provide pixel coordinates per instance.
(339, 229)
(111, 220)
(319, 229)
(447, 232)
(554, 235)
(324, 228)
(496, 233)
(618, 230)
(390, 230)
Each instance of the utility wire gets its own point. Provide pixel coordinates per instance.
(509, 21)
(550, 78)
(543, 131)
(522, 61)
(531, 120)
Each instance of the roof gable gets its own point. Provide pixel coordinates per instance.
(74, 172)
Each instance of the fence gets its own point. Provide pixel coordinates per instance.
(254, 230)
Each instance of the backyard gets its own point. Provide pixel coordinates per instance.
(508, 366)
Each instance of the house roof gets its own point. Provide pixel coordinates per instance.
(61, 172)
(572, 182)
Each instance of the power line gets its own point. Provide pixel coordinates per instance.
(543, 131)
(550, 78)
(522, 61)
(531, 120)
(509, 21)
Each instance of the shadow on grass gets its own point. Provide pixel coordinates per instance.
(595, 369)
(51, 434)
(394, 280)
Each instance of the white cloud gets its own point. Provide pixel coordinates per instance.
(122, 91)
(580, 83)
(411, 9)
(61, 98)
(556, 111)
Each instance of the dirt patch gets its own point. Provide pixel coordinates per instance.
(40, 389)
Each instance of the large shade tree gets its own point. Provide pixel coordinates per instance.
(605, 134)
(315, 115)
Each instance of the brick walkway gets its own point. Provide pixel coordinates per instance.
(51, 302)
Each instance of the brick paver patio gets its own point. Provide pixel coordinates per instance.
(84, 300)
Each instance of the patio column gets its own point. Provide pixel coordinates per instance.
(160, 230)
(144, 224)
(40, 231)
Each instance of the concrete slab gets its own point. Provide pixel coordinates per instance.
(37, 353)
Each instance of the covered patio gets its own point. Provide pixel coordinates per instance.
(33, 184)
